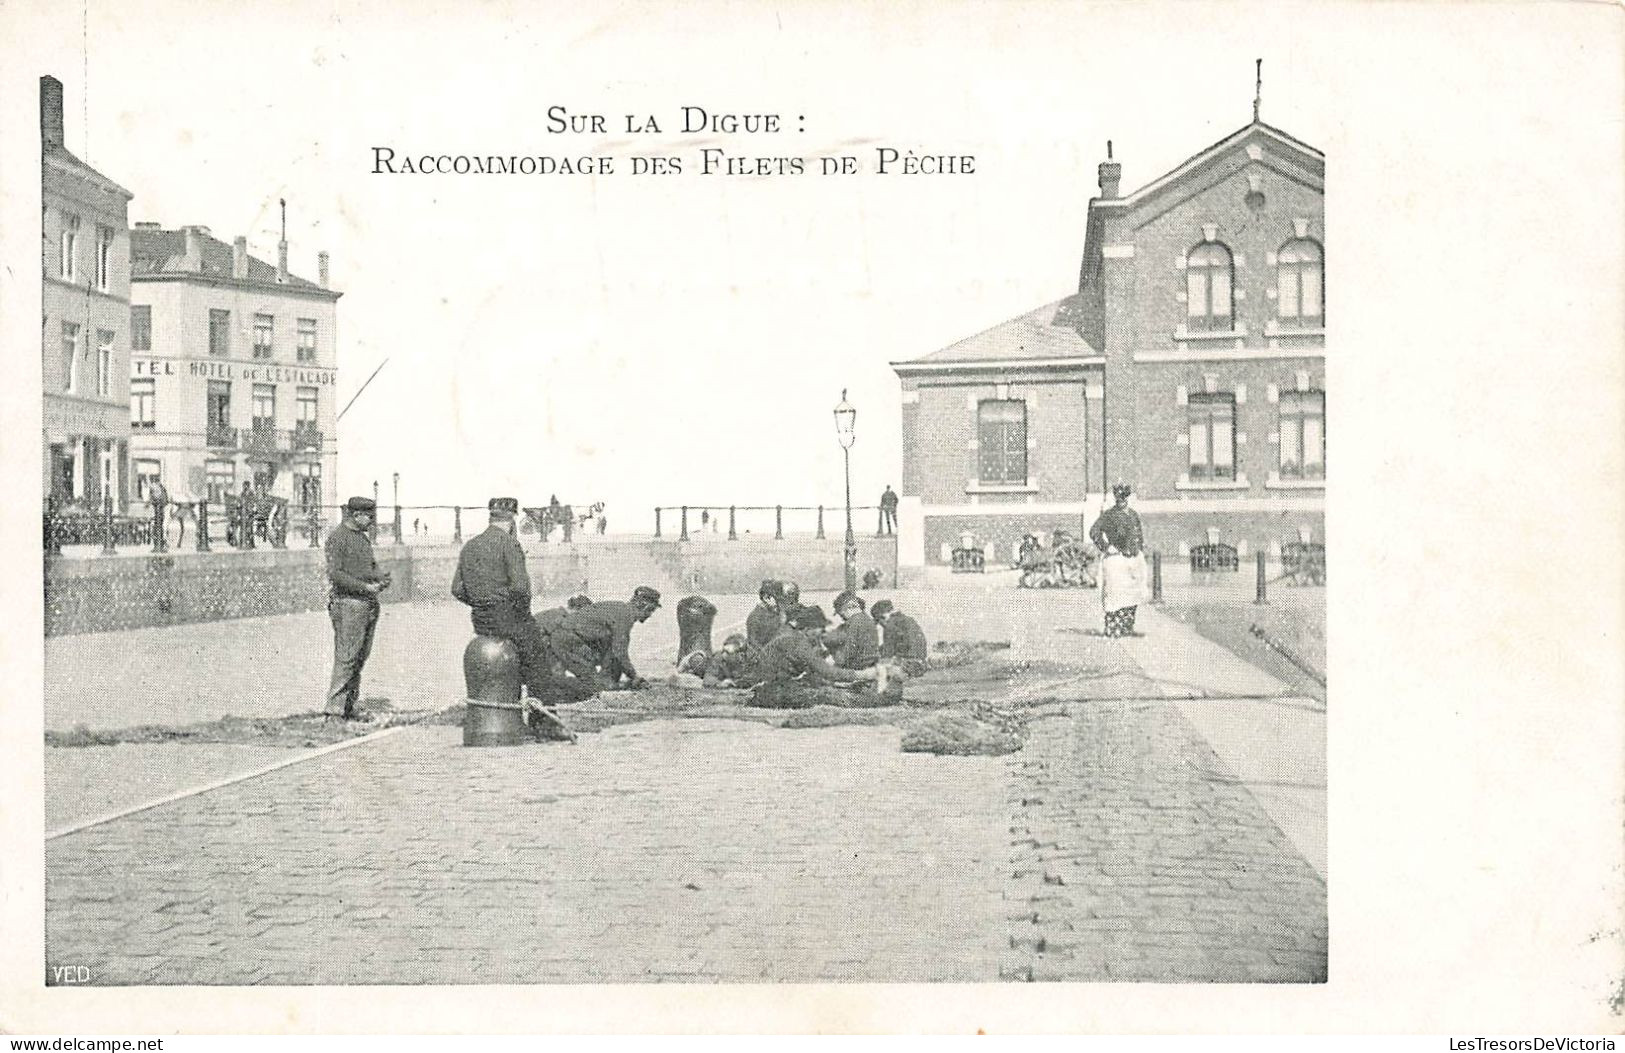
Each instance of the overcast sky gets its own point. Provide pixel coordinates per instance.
(655, 339)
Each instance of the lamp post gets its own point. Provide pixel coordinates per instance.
(846, 418)
(397, 508)
(372, 533)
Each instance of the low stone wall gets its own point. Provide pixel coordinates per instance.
(103, 594)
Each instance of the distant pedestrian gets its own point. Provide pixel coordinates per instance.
(157, 499)
(355, 582)
(888, 511)
(417, 526)
(1119, 534)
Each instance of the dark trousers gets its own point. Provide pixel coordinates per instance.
(888, 520)
(518, 626)
(580, 659)
(354, 620)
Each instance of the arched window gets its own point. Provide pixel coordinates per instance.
(1300, 284)
(1208, 287)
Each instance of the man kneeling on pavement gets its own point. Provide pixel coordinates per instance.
(592, 643)
(902, 640)
(491, 578)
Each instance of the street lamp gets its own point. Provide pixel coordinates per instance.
(846, 418)
(397, 508)
(372, 534)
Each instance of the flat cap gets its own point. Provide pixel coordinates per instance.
(882, 608)
(509, 505)
(361, 504)
(807, 617)
(645, 594)
(845, 598)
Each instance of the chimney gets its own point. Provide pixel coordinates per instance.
(282, 245)
(194, 249)
(239, 257)
(147, 224)
(1111, 173)
(50, 112)
(321, 269)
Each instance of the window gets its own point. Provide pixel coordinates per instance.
(104, 362)
(307, 485)
(264, 407)
(143, 404)
(69, 268)
(1299, 288)
(146, 473)
(218, 410)
(222, 478)
(263, 325)
(219, 332)
(1207, 287)
(307, 339)
(70, 356)
(304, 427)
(104, 256)
(1001, 431)
(1212, 424)
(140, 328)
(1303, 435)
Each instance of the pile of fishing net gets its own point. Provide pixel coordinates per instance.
(947, 654)
(975, 732)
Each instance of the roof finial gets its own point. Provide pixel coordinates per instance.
(284, 201)
(1108, 149)
(1258, 88)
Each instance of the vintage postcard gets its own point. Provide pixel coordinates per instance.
(540, 504)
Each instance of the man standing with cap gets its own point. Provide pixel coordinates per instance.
(600, 636)
(1119, 535)
(355, 581)
(491, 578)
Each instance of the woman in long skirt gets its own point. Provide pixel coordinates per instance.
(1123, 572)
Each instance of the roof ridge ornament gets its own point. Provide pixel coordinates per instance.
(1258, 87)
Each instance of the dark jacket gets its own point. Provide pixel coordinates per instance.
(903, 638)
(607, 628)
(1120, 528)
(790, 655)
(762, 625)
(350, 564)
(855, 644)
(724, 666)
(491, 571)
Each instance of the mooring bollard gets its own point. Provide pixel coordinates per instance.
(820, 522)
(733, 534)
(107, 527)
(684, 535)
(203, 526)
(778, 522)
(493, 715)
(695, 616)
(1156, 577)
(1262, 588)
(657, 521)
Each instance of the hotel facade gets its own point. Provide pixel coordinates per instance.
(1189, 363)
(233, 371)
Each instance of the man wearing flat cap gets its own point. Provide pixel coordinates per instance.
(491, 578)
(592, 643)
(791, 674)
(355, 582)
(1123, 573)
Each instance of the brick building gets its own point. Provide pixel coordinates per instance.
(233, 371)
(85, 304)
(1189, 363)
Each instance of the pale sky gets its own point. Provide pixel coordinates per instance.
(672, 339)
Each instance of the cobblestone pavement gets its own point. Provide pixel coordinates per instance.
(1153, 828)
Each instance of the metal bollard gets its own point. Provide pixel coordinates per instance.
(1263, 596)
(820, 522)
(203, 526)
(1156, 577)
(778, 522)
(569, 523)
(107, 527)
(733, 533)
(657, 521)
(457, 524)
(684, 536)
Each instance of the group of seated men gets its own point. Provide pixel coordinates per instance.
(789, 654)
(791, 657)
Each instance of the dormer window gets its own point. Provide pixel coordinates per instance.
(1208, 288)
(1299, 284)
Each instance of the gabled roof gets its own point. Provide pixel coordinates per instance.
(1314, 157)
(162, 254)
(1047, 333)
(60, 155)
